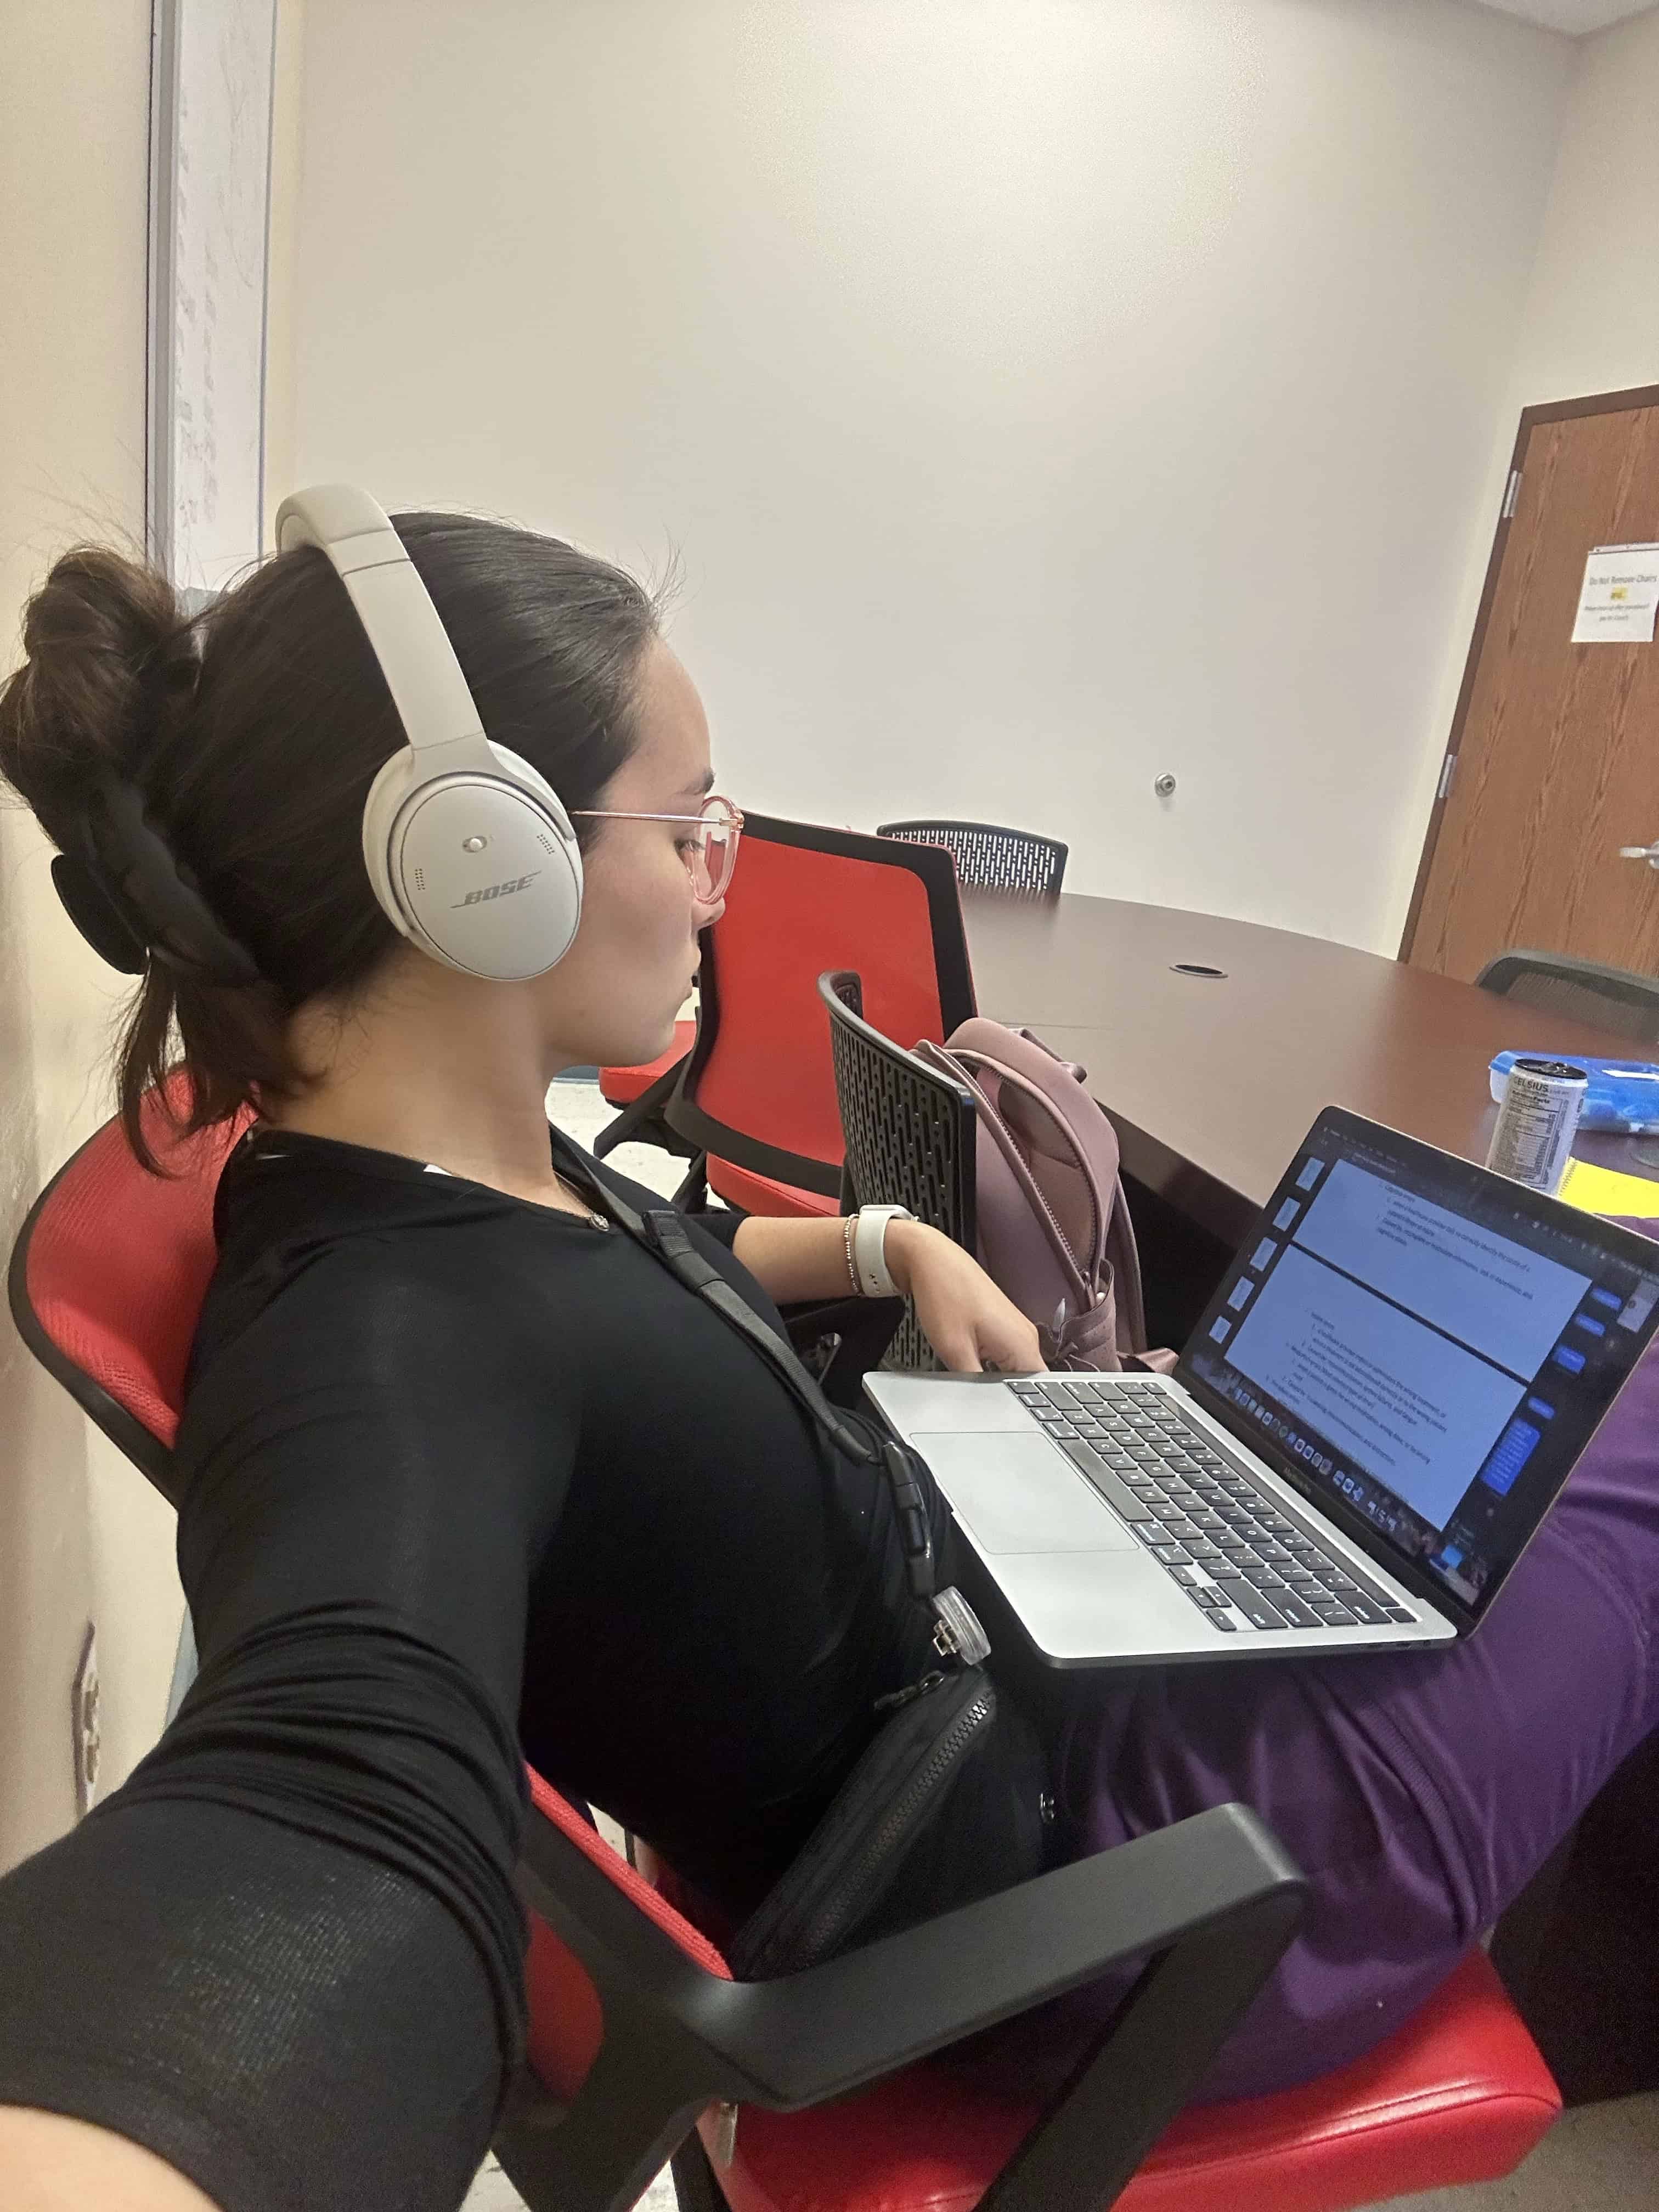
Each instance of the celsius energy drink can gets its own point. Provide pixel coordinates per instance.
(1536, 1123)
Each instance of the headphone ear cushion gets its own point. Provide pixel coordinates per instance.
(518, 770)
(385, 796)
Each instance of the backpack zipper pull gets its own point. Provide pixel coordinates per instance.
(725, 2148)
(894, 1698)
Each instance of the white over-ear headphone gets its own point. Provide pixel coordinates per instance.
(469, 852)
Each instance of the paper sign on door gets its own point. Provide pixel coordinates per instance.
(1620, 592)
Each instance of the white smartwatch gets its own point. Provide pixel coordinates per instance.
(869, 1250)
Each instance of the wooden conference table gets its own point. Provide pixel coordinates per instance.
(1212, 1082)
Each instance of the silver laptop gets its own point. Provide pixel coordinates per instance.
(1402, 1365)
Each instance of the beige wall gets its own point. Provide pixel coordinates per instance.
(81, 1536)
(1042, 395)
(1590, 323)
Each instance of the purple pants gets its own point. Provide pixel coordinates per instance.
(1418, 1793)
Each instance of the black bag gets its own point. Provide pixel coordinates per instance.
(883, 1855)
(852, 1861)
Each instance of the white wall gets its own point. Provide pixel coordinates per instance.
(1590, 323)
(1041, 393)
(81, 1536)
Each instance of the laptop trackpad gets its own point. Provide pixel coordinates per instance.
(1017, 1494)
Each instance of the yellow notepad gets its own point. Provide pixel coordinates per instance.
(1604, 1190)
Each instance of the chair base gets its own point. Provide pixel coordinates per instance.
(644, 1093)
(696, 2189)
(621, 1086)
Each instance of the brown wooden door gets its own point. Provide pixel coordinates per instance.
(1553, 762)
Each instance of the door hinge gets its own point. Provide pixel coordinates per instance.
(1512, 492)
(1448, 770)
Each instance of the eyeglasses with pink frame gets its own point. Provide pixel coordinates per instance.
(710, 852)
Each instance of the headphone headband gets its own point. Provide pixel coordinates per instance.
(405, 630)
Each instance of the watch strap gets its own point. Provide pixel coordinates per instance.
(869, 1250)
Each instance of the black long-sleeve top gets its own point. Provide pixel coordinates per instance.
(465, 1479)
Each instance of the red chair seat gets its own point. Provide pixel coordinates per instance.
(1460, 2095)
(759, 1193)
(621, 1086)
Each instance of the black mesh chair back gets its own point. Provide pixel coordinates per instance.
(989, 858)
(1558, 984)
(909, 1133)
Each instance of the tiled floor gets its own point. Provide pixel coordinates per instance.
(1600, 2158)
(493, 2192)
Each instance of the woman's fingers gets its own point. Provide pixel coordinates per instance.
(1010, 1344)
(970, 1323)
(983, 1333)
(957, 1347)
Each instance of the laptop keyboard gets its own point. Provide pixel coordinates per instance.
(1224, 1542)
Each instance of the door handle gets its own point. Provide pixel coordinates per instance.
(1648, 853)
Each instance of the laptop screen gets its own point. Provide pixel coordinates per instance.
(1426, 1346)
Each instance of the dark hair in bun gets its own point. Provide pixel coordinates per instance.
(252, 732)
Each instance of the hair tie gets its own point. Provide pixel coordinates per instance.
(134, 902)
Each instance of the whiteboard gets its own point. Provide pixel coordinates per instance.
(212, 77)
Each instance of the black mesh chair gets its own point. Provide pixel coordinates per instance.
(910, 1135)
(1559, 983)
(990, 858)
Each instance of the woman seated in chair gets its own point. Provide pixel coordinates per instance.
(469, 1473)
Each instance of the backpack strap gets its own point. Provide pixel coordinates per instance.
(965, 1067)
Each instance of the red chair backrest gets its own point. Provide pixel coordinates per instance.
(110, 1270)
(805, 899)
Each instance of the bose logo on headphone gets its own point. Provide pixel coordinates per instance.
(499, 890)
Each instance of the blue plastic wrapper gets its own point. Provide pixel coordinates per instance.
(1621, 1094)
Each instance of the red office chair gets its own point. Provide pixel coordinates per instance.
(636, 2027)
(757, 1095)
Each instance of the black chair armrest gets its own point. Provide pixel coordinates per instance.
(828, 2031)
(1213, 1899)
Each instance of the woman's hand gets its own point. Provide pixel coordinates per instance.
(967, 1319)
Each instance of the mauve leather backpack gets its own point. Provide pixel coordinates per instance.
(1054, 1230)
